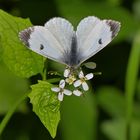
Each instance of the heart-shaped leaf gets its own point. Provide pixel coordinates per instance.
(46, 105)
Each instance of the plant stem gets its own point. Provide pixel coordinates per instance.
(130, 83)
(10, 113)
(44, 73)
(53, 80)
(44, 76)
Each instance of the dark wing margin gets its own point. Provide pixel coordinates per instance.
(114, 27)
(25, 35)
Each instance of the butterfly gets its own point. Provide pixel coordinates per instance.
(58, 41)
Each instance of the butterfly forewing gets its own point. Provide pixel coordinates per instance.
(52, 41)
(41, 41)
(93, 35)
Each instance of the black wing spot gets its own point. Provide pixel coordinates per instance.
(100, 41)
(41, 47)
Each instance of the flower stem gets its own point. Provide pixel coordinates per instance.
(53, 80)
(10, 113)
(44, 73)
(44, 76)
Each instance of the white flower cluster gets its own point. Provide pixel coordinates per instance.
(71, 79)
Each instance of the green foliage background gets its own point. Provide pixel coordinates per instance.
(109, 111)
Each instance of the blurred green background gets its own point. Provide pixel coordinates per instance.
(111, 110)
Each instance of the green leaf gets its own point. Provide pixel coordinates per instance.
(16, 56)
(115, 130)
(111, 100)
(46, 105)
(135, 130)
(12, 88)
(114, 2)
(132, 76)
(136, 9)
(90, 65)
(79, 117)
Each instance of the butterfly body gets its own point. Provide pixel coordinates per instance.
(71, 58)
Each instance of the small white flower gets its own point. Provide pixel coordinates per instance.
(66, 72)
(77, 92)
(61, 91)
(82, 80)
(70, 79)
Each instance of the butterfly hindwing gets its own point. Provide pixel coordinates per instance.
(93, 35)
(63, 31)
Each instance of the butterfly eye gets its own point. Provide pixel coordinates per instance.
(100, 41)
(41, 47)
